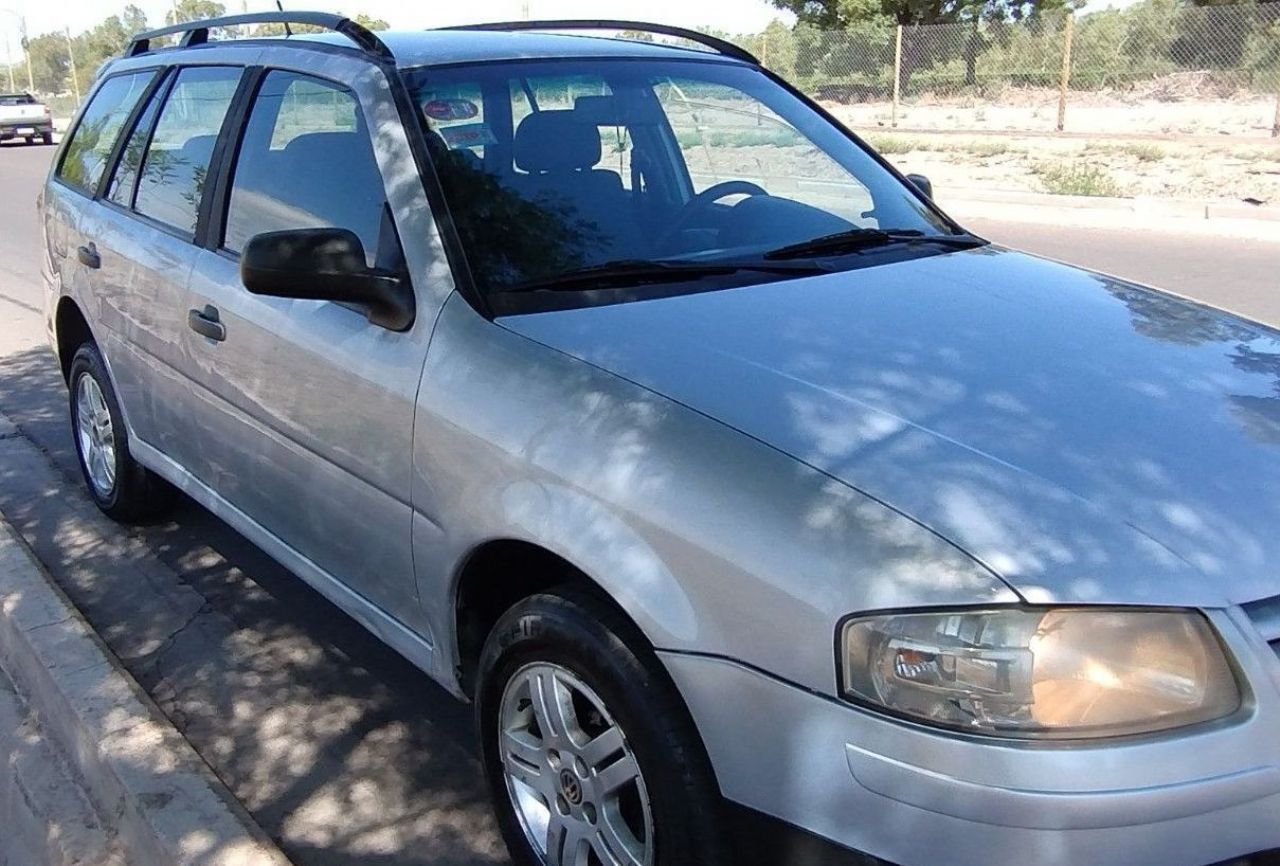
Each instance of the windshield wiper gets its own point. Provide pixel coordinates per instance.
(635, 272)
(864, 238)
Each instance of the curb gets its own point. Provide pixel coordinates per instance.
(1146, 207)
(165, 805)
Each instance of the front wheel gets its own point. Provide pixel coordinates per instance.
(590, 755)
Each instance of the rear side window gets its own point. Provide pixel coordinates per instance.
(120, 189)
(306, 161)
(176, 163)
(95, 135)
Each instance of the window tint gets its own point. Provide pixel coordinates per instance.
(305, 162)
(177, 159)
(120, 190)
(17, 99)
(90, 146)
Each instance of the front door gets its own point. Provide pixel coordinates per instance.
(304, 417)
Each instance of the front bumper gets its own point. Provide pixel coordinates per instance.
(914, 796)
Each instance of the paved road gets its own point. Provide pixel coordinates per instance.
(343, 752)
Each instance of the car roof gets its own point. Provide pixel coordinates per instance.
(440, 47)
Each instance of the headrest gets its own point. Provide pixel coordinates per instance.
(329, 145)
(556, 141)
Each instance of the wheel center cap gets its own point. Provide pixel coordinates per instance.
(571, 787)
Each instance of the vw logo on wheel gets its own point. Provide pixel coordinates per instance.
(570, 787)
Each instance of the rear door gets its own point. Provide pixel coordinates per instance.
(142, 240)
(71, 221)
(305, 420)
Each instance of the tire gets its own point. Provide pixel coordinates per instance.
(561, 640)
(31, 139)
(47, 137)
(120, 486)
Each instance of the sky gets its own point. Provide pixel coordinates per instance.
(738, 16)
(734, 16)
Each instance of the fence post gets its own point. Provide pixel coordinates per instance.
(1275, 125)
(1066, 71)
(897, 74)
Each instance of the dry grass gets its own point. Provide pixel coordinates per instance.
(1077, 178)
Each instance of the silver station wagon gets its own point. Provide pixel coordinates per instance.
(761, 511)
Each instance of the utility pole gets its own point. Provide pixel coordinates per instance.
(71, 56)
(8, 59)
(26, 49)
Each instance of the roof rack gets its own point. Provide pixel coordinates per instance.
(197, 32)
(720, 46)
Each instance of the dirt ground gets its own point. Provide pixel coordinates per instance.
(1192, 170)
(1174, 140)
(1173, 105)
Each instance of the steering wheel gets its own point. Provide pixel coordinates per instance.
(703, 201)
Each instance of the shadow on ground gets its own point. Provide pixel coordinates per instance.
(343, 751)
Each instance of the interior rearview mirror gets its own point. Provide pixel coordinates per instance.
(922, 183)
(325, 264)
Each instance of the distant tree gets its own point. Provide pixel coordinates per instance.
(370, 23)
(50, 67)
(841, 14)
(134, 19)
(193, 10)
(366, 21)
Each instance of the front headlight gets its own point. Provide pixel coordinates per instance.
(1048, 673)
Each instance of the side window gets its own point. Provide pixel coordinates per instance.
(176, 162)
(120, 189)
(305, 161)
(90, 146)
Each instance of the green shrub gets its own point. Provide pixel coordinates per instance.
(888, 145)
(1077, 178)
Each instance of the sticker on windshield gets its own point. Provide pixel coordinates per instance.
(467, 135)
(450, 109)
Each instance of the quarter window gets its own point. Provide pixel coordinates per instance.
(306, 161)
(90, 145)
(176, 163)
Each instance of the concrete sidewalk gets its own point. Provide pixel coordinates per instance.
(1166, 216)
(93, 772)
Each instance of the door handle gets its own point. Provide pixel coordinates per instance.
(206, 323)
(88, 256)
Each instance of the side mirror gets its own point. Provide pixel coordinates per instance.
(325, 265)
(922, 183)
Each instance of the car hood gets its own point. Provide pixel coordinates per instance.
(1087, 439)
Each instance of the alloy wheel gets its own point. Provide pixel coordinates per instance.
(96, 435)
(573, 780)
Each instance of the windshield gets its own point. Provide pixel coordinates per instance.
(551, 167)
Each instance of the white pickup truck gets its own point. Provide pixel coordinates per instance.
(24, 116)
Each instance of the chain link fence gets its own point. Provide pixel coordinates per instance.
(1052, 63)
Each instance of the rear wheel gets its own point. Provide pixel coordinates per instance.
(591, 756)
(47, 137)
(120, 486)
(31, 139)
